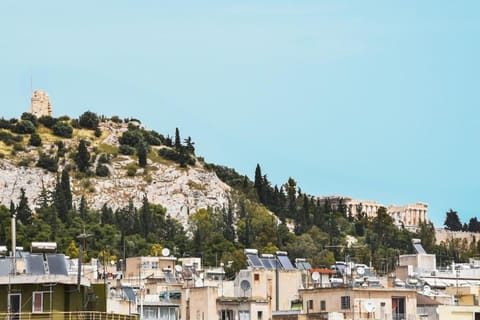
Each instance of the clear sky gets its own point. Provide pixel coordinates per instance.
(375, 100)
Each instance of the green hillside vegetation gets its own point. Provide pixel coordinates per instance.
(77, 148)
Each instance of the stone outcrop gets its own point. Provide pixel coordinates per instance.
(180, 190)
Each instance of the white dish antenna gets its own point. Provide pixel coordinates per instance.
(165, 252)
(427, 290)
(360, 271)
(178, 268)
(369, 306)
(315, 276)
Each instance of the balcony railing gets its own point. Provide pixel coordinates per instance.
(78, 315)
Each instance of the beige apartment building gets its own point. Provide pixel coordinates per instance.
(360, 303)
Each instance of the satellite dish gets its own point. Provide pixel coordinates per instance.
(360, 271)
(245, 285)
(427, 290)
(178, 268)
(165, 252)
(370, 306)
(315, 276)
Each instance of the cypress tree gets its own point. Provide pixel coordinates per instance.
(258, 184)
(24, 213)
(83, 209)
(178, 143)
(142, 155)
(82, 157)
(60, 202)
(67, 192)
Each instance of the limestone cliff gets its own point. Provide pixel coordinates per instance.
(180, 190)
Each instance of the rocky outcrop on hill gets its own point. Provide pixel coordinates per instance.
(180, 190)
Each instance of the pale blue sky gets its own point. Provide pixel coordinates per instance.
(371, 99)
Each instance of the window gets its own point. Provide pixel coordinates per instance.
(243, 315)
(37, 302)
(260, 315)
(398, 308)
(14, 305)
(154, 264)
(310, 304)
(256, 277)
(323, 305)
(225, 315)
(345, 302)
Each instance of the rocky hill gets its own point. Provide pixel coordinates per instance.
(180, 190)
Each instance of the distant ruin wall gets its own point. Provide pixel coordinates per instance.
(40, 105)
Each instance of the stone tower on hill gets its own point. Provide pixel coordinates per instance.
(40, 104)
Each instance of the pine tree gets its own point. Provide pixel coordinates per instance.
(82, 157)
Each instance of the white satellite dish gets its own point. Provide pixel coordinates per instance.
(178, 268)
(360, 271)
(427, 290)
(315, 276)
(369, 306)
(165, 252)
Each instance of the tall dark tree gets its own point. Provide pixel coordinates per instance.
(452, 221)
(474, 225)
(228, 222)
(107, 215)
(142, 155)
(291, 189)
(67, 191)
(60, 202)
(82, 158)
(178, 142)
(258, 184)
(189, 145)
(24, 213)
(145, 216)
(83, 209)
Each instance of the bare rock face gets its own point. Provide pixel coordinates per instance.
(181, 191)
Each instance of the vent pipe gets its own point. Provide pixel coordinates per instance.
(14, 244)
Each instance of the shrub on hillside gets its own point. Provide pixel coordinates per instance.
(48, 163)
(35, 140)
(30, 117)
(102, 171)
(62, 129)
(9, 138)
(126, 150)
(24, 127)
(89, 120)
(5, 124)
(47, 121)
(182, 158)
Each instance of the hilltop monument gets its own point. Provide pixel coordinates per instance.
(40, 105)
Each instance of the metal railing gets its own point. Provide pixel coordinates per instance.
(77, 315)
